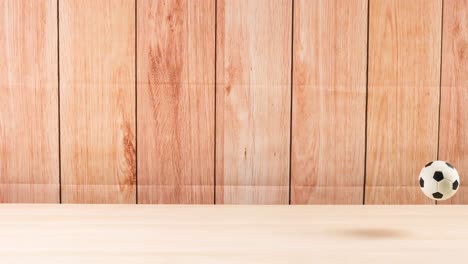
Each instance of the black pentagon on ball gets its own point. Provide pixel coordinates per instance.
(455, 185)
(450, 165)
(438, 176)
(429, 164)
(437, 195)
(421, 182)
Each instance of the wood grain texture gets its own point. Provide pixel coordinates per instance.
(253, 101)
(329, 101)
(403, 97)
(97, 101)
(29, 151)
(233, 234)
(176, 50)
(453, 145)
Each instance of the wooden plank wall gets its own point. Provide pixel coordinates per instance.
(329, 101)
(29, 145)
(230, 101)
(97, 101)
(403, 97)
(253, 101)
(453, 135)
(176, 73)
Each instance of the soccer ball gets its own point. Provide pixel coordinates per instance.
(439, 180)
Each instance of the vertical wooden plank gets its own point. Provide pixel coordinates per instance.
(453, 142)
(97, 101)
(329, 101)
(29, 158)
(253, 101)
(176, 101)
(403, 97)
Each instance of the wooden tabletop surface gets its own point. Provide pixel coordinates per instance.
(232, 234)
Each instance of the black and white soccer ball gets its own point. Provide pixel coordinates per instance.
(439, 180)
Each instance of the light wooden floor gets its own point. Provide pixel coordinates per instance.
(232, 234)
